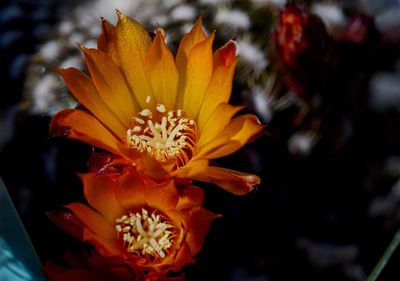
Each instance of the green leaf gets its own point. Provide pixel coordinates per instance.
(18, 259)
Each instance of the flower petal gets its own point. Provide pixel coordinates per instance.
(80, 125)
(133, 41)
(194, 167)
(192, 196)
(218, 120)
(100, 195)
(196, 77)
(85, 92)
(107, 41)
(111, 85)
(169, 197)
(105, 246)
(241, 130)
(183, 258)
(233, 181)
(131, 189)
(93, 220)
(67, 222)
(220, 87)
(199, 225)
(194, 36)
(134, 189)
(162, 71)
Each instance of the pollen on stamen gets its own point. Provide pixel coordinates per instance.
(161, 108)
(150, 236)
(163, 134)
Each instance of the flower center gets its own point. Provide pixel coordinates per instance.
(163, 134)
(146, 235)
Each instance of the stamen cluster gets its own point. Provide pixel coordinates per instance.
(144, 234)
(163, 134)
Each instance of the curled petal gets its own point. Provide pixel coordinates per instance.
(233, 181)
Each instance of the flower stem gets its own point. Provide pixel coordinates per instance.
(385, 257)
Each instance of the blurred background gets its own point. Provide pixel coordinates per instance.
(324, 76)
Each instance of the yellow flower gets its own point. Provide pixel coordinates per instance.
(142, 102)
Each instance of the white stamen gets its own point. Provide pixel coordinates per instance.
(161, 108)
(145, 235)
(169, 135)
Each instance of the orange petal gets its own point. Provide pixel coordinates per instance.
(85, 92)
(93, 220)
(67, 222)
(145, 163)
(183, 258)
(107, 41)
(191, 196)
(111, 85)
(190, 39)
(220, 87)
(218, 120)
(80, 125)
(233, 181)
(100, 194)
(133, 41)
(162, 71)
(191, 169)
(196, 77)
(240, 131)
(226, 55)
(198, 227)
(169, 197)
(105, 246)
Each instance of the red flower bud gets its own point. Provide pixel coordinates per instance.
(301, 44)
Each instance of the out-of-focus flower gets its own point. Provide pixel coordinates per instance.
(301, 44)
(149, 226)
(142, 102)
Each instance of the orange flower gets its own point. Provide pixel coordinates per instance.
(141, 100)
(150, 226)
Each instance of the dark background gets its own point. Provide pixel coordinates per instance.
(324, 215)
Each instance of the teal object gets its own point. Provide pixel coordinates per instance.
(18, 260)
